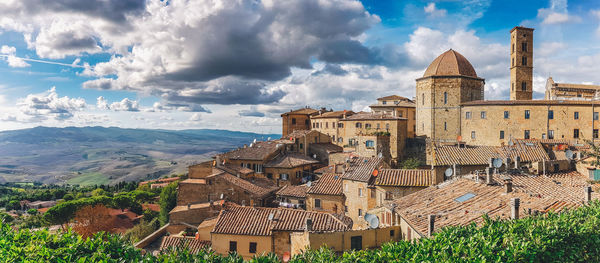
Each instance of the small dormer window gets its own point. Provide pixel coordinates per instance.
(384, 102)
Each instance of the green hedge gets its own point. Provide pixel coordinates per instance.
(572, 236)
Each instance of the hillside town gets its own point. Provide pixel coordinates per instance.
(402, 171)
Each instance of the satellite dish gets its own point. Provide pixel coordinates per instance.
(314, 156)
(449, 172)
(252, 144)
(569, 154)
(511, 143)
(254, 140)
(497, 162)
(375, 172)
(221, 196)
(268, 138)
(309, 184)
(373, 220)
(286, 256)
(270, 216)
(380, 155)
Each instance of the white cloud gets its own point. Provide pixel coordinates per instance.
(101, 103)
(9, 54)
(432, 11)
(557, 13)
(50, 105)
(196, 117)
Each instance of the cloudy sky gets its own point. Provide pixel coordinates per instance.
(235, 64)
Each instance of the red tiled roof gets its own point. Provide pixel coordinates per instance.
(361, 168)
(328, 184)
(333, 114)
(450, 63)
(393, 97)
(152, 207)
(175, 242)
(326, 169)
(293, 190)
(403, 177)
(257, 187)
(298, 134)
(254, 221)
(326, 147)
(528, 151)
(535, 192)
(304, 111)
(259, 151)
(291, 160)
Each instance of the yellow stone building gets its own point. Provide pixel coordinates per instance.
(567, 91)
(400, 107)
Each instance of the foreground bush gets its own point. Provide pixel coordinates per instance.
(572, 236)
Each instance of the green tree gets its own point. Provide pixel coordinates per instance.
(13, 205)
(68, 197)
(410, 163)
(168, 200)
(594, 153)
(122, 201)
(32, 211)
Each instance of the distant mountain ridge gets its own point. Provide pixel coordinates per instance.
(88, 155)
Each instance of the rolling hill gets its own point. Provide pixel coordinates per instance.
(99, 155)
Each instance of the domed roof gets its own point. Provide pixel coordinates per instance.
(450, 63)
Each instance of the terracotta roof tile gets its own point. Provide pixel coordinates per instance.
(291, 160)
(403, 177)
(174, 242)
(326, 147)
(304, 111)
(328, 184)
(450, 63)
(244, 220)
(298, 134)
(480, 155)
(293, 190)
(463, 201)
(333, 114)
(361, 168)
(393, 97)
(257, 186)
(326, 169)
(258, 151)
(371, 116)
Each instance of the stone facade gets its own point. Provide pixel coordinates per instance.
(521, 63)
(200, 170)
(357, 132)
(438, 104)
(328, 203)
(568, 91)
(546, 120)
(288, 176)
(296, 120)
(220, 244)
(358, 197)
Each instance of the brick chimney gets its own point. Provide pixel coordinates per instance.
(514, 208)
(430, 225)
(517, 162)
(489, 171)
(588, 194)
(508, 185)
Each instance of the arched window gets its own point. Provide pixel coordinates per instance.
(358, 125)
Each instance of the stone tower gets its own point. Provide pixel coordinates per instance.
(449, 81)
(521, 63)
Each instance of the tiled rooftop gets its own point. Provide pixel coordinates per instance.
(291, 160)
(175, 242)
(306, 111)
(244, 220)
(333, 114)
(298, 191)
(257, 186)
(328, 184)
(479, 155)
(361, 168)
(464, 200)
(450, 63)
(403, 177)
(326, 147)
(371, 116)
(258, 151)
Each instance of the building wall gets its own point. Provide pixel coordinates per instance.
(302, 122)
(397, 131)
(487, 131)
(220, 243)
(193, 193)
(408, 232)
(329, 203)
(275, 174)
(193, 216)
(404, 112)
(341, 241)
(250, 164)
(518, 72)
(200, 170)
(328, 126)
(354, 201)
(189, 193)
(397, 192)
(438, 115)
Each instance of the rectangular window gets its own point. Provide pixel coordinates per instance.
(550, 114)
(501, 134)
(506, 114)
(467, 115)
(527, 114)
(232, 246)
(445, 126)
(524, 61)
(524, 86)
(576, 115)
(270, 175)
(318, 203)
(301, 146)
(293, 120)
(384, 102)
(368, 125)
(370, 144)
(524, 46)
(392, 233)
(298, 174)
(326, 125)
(360, 194)
(284, 177)
(473, 135)
(550, 134)
(595, 133)
(576, 133)
(595, 116)
(445, 97)
(483, 114)
(359, 212)
(252, 247)
(526, 135)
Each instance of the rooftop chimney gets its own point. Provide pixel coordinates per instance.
(218, 160)
(588, 194)
(514, 208)
(517, 162)
(489, 171)
(430, 225)
(245, 145)
(508, 184)
(309, 224)
(189, 206)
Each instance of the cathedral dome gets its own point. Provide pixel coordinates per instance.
(450, 63)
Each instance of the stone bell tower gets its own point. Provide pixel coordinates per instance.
(521, 63)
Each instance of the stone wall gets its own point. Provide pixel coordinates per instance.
(200, 170)
(487, 131)
(302, 122)
(220, 243)
(329, 203)
(357, 198)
